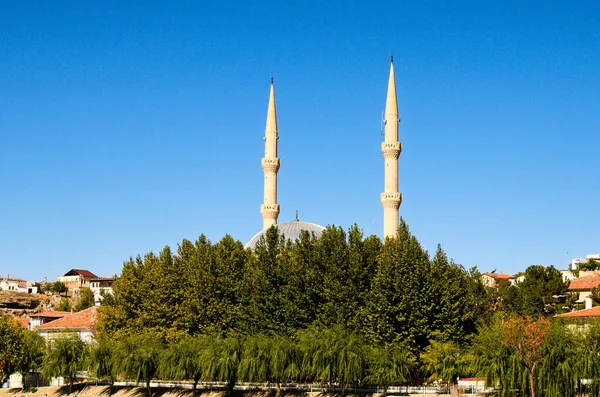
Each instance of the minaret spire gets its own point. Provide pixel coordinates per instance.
(270, 165)
(390, 198)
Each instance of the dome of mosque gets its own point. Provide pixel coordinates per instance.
(291, 231)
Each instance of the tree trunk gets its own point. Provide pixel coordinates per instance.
(71, 380)
(194, 386)
(343, 388)
(278, 388)
(531, 383)
(148, 389)
(453, 386)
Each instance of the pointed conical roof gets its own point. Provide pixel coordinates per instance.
(271, 112)
(391, 103)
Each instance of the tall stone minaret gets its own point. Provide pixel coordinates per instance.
(270, 165)
(390, 198)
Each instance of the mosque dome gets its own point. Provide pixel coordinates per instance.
(291, 231)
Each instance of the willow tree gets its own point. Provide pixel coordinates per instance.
(228, 353)
(390, 364)
(185, 359)
(103, 359)
(64, 357)
(138, 357)
(559, 372)
(334, 354)
(445, 361)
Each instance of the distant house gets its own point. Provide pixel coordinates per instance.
(75, 279)
(584, 286)
(100, 287)
(36, 320)
(493, 279)
(82, 323)
(13, 284)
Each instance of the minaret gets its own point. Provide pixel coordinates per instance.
(390, 198)
(270, 165)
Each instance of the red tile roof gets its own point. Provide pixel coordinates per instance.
(500, 276)
(85, 319)
(585, 313)
(16, 279)
(80, 272)
(586, 283)
(54, 314)
(24, 322)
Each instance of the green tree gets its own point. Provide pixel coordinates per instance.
(59, 287)
(269, 359)
(398, 305)
(559, 371)
(228, 354)
(541, 292)
(64, 357)
(390, 364)
(32, 352)
(138, 357)
(84, 300)
(11, 345)
(445, 361)
(454, 299)
(493, 360)
(103, 359)
(334, 354)
(64, 305)
(184, 359)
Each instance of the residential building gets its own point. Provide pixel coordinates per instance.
(75, 279)
(100, 287)
(584, 286)
(493, 279)
(13, 284)
(575, 262)
(36, 320)
(82, 323)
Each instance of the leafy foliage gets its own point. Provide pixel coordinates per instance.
(64, 357)
(64, 305)
(84, 300)
(59, 287)
(445, 361)
(542, 292)
(11, 345)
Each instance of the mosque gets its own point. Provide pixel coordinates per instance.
(390, 198)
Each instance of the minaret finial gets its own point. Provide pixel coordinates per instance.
(271, 79)
(297, 215)
(392, 58)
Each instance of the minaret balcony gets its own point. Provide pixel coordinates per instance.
(391, 149)
(270, 164)
(269, 211)
(391, 200)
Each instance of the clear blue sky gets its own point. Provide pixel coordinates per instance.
(127, 126)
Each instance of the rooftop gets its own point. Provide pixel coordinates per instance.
(85, 319)
(586, 283)
(80, 272)
(50, 313)
(291, 231)
(585, 313)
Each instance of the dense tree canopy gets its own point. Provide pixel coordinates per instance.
(388, 293)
